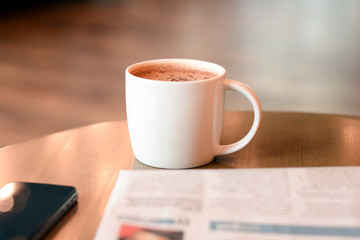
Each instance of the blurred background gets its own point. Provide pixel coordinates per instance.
(62, 63)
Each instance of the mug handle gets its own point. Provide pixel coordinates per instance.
(255, 102)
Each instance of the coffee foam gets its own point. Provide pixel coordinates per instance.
(173, 73)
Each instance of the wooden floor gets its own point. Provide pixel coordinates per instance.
(62, 66)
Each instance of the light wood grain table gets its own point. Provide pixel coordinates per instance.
(90, 157)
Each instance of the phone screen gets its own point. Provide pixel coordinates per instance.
(29, 210)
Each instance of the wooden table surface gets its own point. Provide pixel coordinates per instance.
(90, 157)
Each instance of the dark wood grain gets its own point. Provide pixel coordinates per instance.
(293, 140)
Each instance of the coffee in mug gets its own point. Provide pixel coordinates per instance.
(172, 73)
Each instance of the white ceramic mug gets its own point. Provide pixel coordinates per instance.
(178, 124)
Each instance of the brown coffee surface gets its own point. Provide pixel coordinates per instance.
(172, 73)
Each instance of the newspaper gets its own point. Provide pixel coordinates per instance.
(278, 203)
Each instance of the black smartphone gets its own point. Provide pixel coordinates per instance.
(30, 210)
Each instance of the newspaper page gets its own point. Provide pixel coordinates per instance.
(279, 203)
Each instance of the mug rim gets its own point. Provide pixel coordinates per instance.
(192, 63)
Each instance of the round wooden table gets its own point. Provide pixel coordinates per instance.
(90, 157)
